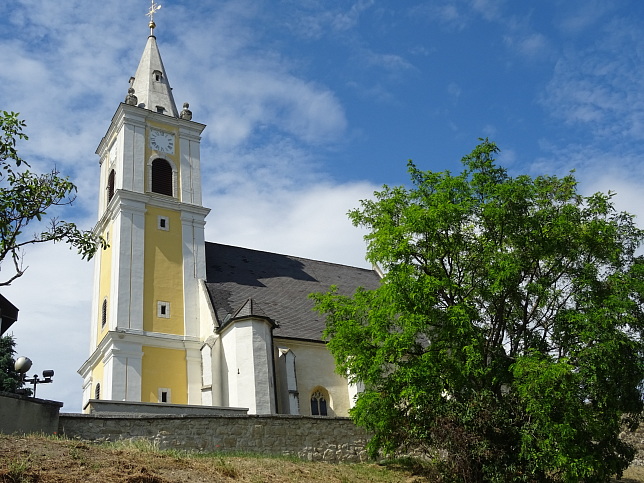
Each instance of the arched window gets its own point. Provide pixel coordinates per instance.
(318, 404)
(162, 177)
(110, 186)
(104, 313)
(97, 391)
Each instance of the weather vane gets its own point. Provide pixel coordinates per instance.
(155, 7)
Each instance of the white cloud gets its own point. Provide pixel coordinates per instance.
(583, 16)
(528, 45)
(53, 298)
(310, 222)
(349, 19)
(596, 88)
(488, 9)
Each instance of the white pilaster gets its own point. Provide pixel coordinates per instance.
(291, 383)
(190, 166)
(123, 371)
(193, 366)
(128, 264)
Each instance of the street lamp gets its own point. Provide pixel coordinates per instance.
(23, 364)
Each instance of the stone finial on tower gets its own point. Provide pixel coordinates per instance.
(185, 112)
(131, 99)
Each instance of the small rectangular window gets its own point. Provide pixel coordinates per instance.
(163, 310)
(163, 223)
(164, 395)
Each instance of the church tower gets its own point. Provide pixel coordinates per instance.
(145, 334)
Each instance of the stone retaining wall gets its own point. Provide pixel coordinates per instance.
(22, 414)
(309, 438)
(635, 438)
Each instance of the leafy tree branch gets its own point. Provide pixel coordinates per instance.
(25, 198)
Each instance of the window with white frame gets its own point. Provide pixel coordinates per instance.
(163, 310)
(163, 223)
(163, 395)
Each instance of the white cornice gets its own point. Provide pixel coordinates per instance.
(138, 337)
(124, 200)
(138, 115)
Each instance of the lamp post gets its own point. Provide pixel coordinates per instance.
(23, 364)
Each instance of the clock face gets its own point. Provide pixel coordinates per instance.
(162, 142)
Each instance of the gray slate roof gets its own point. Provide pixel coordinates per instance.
(277, 286)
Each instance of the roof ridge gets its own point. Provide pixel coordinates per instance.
(296, 257)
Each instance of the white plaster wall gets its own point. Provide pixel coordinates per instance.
(95, 304)
(106, 383)
(194, 268)
(248, 356)
(207, 319)
(228, 368)
(190, 166)
(132, 154)
(123, 371)
(127, 265)
(193, 366)
(206, 375)
(315, 366)
(87, 389)
(219, 373)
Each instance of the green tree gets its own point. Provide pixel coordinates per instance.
(25, 198)
(507, 328)
(10, 379)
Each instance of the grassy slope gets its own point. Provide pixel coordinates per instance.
(48, 459)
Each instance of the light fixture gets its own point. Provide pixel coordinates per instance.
(23, 364)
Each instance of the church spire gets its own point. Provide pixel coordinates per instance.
(150, 83)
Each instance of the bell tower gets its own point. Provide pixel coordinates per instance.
(145, 340)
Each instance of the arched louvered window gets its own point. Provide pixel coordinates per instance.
(110, 185)
(104, 313)
(162, 177)
(318, 404)
(97, 391)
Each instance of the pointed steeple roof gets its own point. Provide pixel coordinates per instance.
(150, 83)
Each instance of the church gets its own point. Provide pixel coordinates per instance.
(178, 320)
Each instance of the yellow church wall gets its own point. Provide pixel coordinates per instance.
(164, 368)
(105, 281)
(163, 266)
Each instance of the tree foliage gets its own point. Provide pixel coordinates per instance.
(507, 328)
(25, 198)
(10, 379)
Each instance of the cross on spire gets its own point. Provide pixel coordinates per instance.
(154, 7)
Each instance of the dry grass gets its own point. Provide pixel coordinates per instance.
(47, 459)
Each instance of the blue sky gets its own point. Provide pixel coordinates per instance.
(311, 106)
